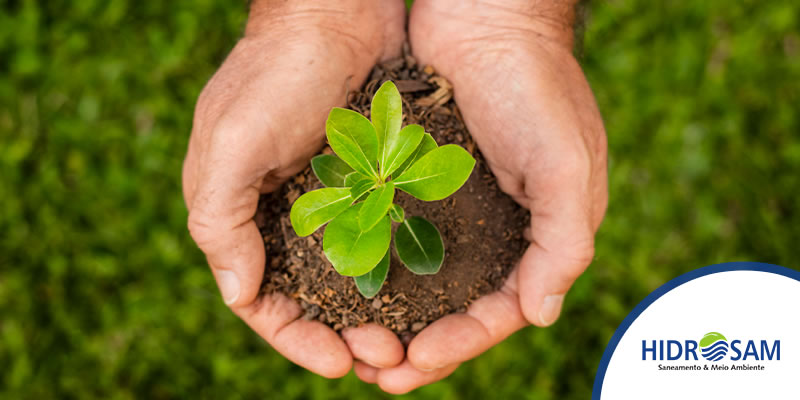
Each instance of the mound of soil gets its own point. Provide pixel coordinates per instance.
(481, 228)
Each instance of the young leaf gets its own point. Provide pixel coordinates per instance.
(399, 148)
(330, 170)
(419, 246)
(376, 206)
(437, 174)
(353, 138)
(396, 213)
(425, 146)
(355, 177)
(317, 207)
(361, 187)
(351, 251)
(370, 283)
(387, 117)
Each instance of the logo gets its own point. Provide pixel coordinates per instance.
(726, 331)
(713, 346)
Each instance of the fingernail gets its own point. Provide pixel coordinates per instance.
(373, 365)
(551, 308)
(228, 285)
(427, 370)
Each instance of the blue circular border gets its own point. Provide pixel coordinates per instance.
(652, 297)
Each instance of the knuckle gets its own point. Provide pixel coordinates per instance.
(572, 255)
(574, 164)
(581, 256)
(202, 229)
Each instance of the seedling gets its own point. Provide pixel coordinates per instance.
(374, 159)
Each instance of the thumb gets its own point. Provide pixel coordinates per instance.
(221, 223)
(234, 251)
(546, 274)
(222, 206)
(562, 242)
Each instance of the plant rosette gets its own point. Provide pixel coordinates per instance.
(373, 159)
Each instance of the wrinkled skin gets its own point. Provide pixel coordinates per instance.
(257, 122)
(527, 104)
(524, 99)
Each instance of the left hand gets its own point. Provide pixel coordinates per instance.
(257, 123)
(529, 107)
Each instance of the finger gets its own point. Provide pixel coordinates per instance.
(366, 373)
(374, 345)
(562, 234)
(405, 378)
(309, 344)
(459, 337)
(231, 240)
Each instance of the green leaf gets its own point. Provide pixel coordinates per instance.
(370, 283)
(317, 207)
(419, 246)
(387, 117)
(437, 174)
(400, 147)
(354, 177)
(376, 206)
(711, 337)
(425, 146)
(351, 251)
(361, 187)
(396, 213)
(353, 138)
(330, 170)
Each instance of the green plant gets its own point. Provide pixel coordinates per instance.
(374, 159)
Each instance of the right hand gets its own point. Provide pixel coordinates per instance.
(258, 121)
(529, 108)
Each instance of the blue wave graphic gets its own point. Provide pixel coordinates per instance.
(720, 352)
(718, 357)
(716, 351)
(717, 344)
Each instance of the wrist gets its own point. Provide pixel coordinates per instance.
(464, 23)
(552, 20)
(372, 29)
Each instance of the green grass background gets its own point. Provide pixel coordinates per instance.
(104, 295)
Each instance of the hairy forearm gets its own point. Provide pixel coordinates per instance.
(331, 12)
(557, 20)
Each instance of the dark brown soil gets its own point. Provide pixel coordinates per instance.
(481, 227)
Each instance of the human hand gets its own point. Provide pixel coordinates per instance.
(258, 122)
(528, 106)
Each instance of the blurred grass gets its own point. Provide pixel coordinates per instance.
(103, 294)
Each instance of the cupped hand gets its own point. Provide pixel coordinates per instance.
(528, 106)
(257, 122)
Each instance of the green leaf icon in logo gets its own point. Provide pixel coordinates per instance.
(714, 346)
(711, 338)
